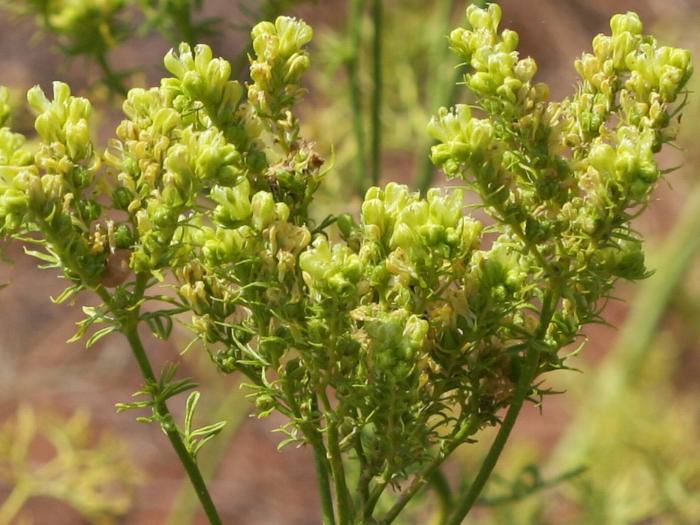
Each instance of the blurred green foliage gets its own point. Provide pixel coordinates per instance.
(95, 477)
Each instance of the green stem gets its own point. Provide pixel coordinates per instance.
(352, 67)
(364, 479)
(234, 409)
(342, 494)
(529, 373)
(322, 468)
(14, 503)
(320, 456)
(375, 494)
(111, 79)
(376, 122)
(128, 323)
(442, 89)
(322, 478)
(468, 428)
(184, 29)
(441, 487)
(200, 487)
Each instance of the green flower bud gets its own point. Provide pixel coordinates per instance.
(628, 22)
(333, 272)
(488, 18)
(224, 246)
(404, 237)
(602, 47)
(509, 41)
(623, 45)
(470, 230)
(602, 157)
(263, 208)
(196, 297)
(373, 213)
(293, 35)
(445, 210)
(262, 34)
(174, 64)
(296, 67)
(63, 120)
(234, 203)
(37, 99)
(78, 140)
(415, 332)
(525, 69)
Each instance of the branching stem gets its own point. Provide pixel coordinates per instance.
(529, 372)
(129, 327)
(198, 483)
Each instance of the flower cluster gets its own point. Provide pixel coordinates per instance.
(51, 188)
(281, 60)
(563, 179)
(391, 339)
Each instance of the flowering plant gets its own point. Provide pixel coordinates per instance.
(387, 341)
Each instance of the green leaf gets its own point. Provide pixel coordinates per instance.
(67, 294)
(161, 324)
(50, 258)
(123, 407)
(190, 407)
(102, 332)
(212, 429)
(178, 387)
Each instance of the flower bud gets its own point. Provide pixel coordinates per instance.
(373, 213)
(509, 40)
(628, 22)
(525, 69)
(488, 18)
(263, 208)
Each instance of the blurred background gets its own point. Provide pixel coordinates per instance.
(621, 446)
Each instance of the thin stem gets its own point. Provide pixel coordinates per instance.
(111, 78)
(442, 89)
(198, 483)
(529, 372)
(128, 323)
(376, 122)
(342, 494)
(233, 408)
(14, 503)
(364, 478)
(375, 494)
(322, 478)
(184, 29)
(441, 487)
(352, 67)
(320, 456)
(468, 428)
(322, 474)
